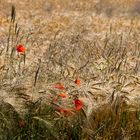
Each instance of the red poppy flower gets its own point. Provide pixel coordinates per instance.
(77, 81)
(63, 95)
(20, 48)
(64, 111)
(60, 110)
(78, 104)
(21, 124)
(59, 86)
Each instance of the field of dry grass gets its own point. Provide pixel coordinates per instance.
(79, 77)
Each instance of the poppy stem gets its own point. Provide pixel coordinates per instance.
(37, 72)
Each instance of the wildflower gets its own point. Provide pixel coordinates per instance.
(21, 124)
(63, 95)
(77, 81)
(20, 48)
(59, 86)
(64, 111)
(78, 104)
(60, 110)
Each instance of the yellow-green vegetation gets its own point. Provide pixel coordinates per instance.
(70, 70)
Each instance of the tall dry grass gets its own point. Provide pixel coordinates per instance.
(102, 52)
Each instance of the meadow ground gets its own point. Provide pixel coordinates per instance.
(69, 70)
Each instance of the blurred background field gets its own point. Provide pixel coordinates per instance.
(96, 41)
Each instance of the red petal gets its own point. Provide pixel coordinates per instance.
(60, 110)
(77, 81)
(59, 86)
(65, 111)
(20, 48)
(63, 95)
(78, 104)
